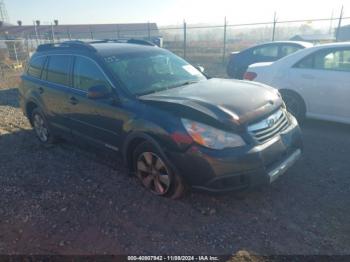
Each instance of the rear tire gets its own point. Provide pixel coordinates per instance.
(42, 128)
(155, 173)
(295, 104)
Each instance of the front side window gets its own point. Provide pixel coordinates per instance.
(270, 51)
(35, 66)
(58, 69)
(335, 60)
(87, 74)
(307, 62)
(149, 72)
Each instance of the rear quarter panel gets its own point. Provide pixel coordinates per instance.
(28, 93)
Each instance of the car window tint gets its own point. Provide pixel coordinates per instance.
(267, 51)
(87, 74)
(58, 69)
(338, 60)
(35, 66)
(289, 49)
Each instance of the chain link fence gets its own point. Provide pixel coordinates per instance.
(207, 45)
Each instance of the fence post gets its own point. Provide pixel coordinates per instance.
(339, 24)
(15, 50)
(92, 35)
(68, 34)
(274, 26)
(224, 51)
(27, 47)
(185, 38)
(118, 32)
(52, 33)
(149, 31)
(36, 33)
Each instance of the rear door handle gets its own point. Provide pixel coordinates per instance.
(73, 100)
(41, 90)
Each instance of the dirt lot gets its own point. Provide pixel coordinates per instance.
(66, 200)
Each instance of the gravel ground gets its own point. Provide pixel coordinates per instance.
(68, 200)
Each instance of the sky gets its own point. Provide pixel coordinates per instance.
(170, 12)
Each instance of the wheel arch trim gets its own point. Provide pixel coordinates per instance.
(147, 138)
(136, 135)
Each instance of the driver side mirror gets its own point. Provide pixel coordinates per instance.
(98, 92)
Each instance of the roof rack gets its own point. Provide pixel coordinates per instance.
(65, 45)
(128, 41)
(87, 45)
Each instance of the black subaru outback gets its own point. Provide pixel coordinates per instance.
(173, 126)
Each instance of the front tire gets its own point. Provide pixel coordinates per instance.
(41, 127)
(155, 174)
(295, 104)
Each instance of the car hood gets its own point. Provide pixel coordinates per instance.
(225, 100)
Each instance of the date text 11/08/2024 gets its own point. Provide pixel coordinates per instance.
(173, 258)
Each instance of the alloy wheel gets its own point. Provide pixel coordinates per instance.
(153, 173)
(41, 128)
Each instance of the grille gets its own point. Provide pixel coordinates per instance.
(269, 127)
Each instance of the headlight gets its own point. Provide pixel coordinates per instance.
(211, 137)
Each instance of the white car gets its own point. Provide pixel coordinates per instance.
(314, 82)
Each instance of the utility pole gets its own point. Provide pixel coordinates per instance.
(331, 23)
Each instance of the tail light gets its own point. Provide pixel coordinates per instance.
(250, 76)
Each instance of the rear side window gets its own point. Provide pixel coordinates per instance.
(270, 51)
(58, 69)
(289, 49)
(87, 74)
(35, 66)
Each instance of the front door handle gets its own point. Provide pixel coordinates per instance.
(306, 76)
(73, 100)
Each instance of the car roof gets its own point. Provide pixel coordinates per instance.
(330, 45)
(320, 47)
(300, 43)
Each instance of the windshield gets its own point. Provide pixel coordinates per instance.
(153, 71)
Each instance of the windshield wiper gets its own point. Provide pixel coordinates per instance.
(166, 88)
(151, 92)
(183, 84)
